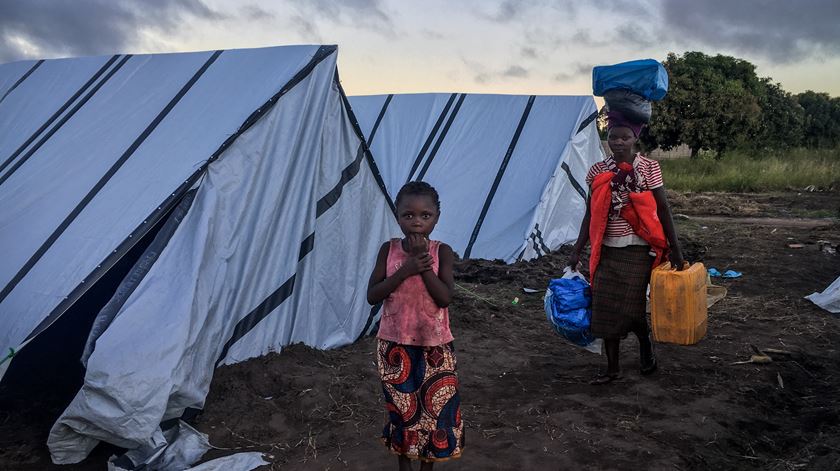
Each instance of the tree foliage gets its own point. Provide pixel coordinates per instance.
(711, 104)
(822, 119)
(717, 103)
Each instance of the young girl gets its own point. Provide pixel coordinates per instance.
(416, 360)
(628, 221)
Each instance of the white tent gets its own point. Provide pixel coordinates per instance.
(271, 210)
(509, 169)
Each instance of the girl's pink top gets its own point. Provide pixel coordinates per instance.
(409, 315)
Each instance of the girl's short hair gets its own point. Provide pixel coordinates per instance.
(418, 188)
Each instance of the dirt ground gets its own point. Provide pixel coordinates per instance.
(526, 398)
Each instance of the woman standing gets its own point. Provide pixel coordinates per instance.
(628, 221)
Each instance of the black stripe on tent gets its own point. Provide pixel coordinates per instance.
(22, 78)
(126, 245)
(331, 198)
(536, 245)
(324, 203)
(61, 122)
(586, 121)
(379, 119)
(306, 246)
(574, 182)
(58, 113)
(539, 238)
(440, 138)
(269, 304)
(374, 310)
(377, 176)
(431, 137)
(322, 53)
(259, 313)
(287, 288)
(499, 175)
(105, 178)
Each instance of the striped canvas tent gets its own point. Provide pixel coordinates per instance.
(243, 177)
(509, 168)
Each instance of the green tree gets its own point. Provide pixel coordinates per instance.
(821, 120)
(711, 105)
(782, 123)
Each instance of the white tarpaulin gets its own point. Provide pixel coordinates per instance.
(283, 228)
(829, 299)
(509, 168)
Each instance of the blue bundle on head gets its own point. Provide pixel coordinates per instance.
(646, 78)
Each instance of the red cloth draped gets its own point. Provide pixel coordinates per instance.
(640, 213)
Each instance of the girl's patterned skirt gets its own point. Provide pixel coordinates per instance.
(421, 396)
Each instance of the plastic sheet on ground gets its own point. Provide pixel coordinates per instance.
(828, 299)
(174, 449)
(239, 462)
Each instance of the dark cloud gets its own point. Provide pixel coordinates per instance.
(429, 34)
(625, 8)
(782, 31)
(573, 72)
(256, 13)
(632, 36)
(584, 38)
(368, 14)
(508, 11)
(307, 29)
(88, 27)
(529, 52)
(515, 71)
(481, 74)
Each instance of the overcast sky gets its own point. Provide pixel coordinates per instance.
(499, 46)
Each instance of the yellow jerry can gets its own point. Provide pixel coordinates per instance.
(678, 312)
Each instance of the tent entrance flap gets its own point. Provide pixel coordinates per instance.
(48, 370)
(162, 234)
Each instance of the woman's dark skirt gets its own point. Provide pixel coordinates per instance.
(619, 291)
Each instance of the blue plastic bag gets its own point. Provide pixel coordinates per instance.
(646, 77)
(568, 306)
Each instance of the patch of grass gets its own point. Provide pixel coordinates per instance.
(740, 171)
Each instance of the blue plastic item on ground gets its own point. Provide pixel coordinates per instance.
(732, 274)
(645, 77)
(713, 272)
(568, 306)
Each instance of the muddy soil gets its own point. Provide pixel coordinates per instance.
(526, 398)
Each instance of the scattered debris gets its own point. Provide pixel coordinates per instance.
(776, 351)
(515, 301)
(682, 217)
(795, 246)
(780, 381)
(714, 273)
(530, 290)
(827, 247)
(756, 359)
